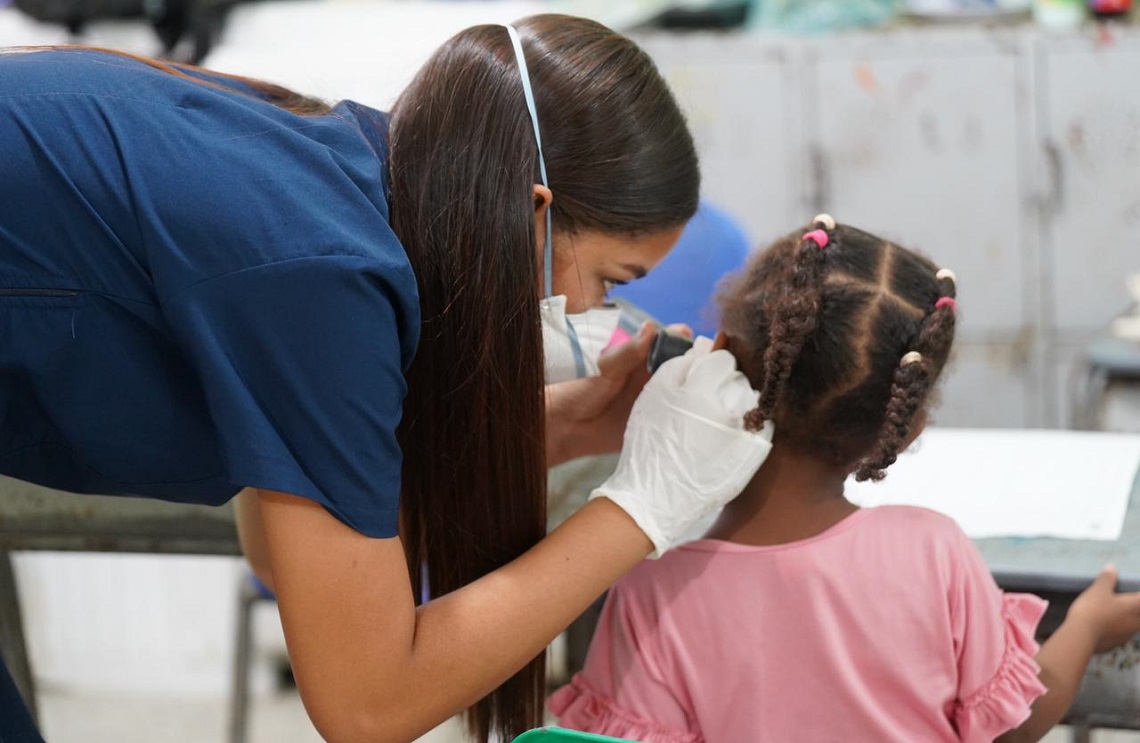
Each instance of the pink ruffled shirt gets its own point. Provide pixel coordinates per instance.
(886, 627)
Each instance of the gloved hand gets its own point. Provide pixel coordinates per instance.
(685, 451)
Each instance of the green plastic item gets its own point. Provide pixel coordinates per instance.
(561, 735)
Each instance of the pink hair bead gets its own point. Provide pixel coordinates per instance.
(819, 237)
(946, 302)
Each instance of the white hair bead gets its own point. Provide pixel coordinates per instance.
(913, 357)
(946, 273)
(826, 220)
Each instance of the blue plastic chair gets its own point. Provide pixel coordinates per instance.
(682, 287)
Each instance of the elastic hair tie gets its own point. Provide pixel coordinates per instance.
(946, 302)
(913, 357)
(819, 237)
(946, 273)
(826, 221)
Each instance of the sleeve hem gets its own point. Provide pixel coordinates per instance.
(266, 473)
(579, 707)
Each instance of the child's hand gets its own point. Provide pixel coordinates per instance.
(1113, 617)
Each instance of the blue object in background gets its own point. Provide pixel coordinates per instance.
(682, 287)
(261, 589)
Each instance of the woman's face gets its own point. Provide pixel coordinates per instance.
(587, 264)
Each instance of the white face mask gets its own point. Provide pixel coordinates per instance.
(572, 344)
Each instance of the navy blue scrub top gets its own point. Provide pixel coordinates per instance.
(199, 291)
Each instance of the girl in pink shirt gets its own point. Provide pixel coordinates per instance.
(800, 617)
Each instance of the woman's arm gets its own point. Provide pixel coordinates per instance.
(251, 535)
(372, 667)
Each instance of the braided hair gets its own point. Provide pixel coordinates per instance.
(845, 335)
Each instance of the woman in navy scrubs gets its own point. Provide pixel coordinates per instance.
(210, 284)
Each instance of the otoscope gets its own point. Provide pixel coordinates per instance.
(666, 346)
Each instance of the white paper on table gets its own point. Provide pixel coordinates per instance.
(1015, 483)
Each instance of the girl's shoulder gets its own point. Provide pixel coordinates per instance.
(895, 534)
(929, 542)
(914, 517)
(677, 566)
(923, 529)
(685, 575)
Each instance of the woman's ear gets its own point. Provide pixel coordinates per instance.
(543, 198)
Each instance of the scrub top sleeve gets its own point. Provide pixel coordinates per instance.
(301, 362)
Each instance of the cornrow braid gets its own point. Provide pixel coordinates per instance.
(795, 316)
(912, 380)
(908, 391)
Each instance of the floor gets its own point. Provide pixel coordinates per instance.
(274, 718)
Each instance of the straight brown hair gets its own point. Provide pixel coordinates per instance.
(620, 160)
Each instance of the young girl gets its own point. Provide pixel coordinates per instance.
(799, 616)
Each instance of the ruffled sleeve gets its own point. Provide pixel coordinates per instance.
(1004, 701)
(579, 707)
(994, 644)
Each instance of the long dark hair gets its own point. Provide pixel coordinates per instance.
(825, 334)
(464, 162)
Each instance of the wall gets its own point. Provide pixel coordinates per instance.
(1005, 154)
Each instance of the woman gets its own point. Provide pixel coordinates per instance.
(212, 283)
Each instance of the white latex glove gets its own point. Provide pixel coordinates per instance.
(685, 451)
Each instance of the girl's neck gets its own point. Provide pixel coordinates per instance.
(794, 496)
